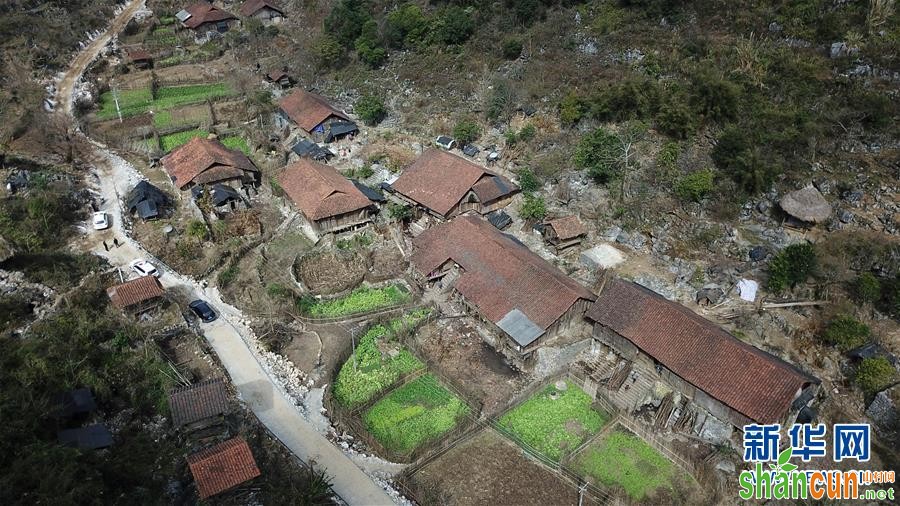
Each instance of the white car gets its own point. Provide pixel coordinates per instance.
(144, 268)
(101, 220)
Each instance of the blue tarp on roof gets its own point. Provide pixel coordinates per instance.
(307, 148)
(340, 128)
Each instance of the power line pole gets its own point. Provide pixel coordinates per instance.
(115, 93)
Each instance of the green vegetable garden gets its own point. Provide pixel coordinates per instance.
(362, 379)
(624, 460)
(141, 101)
(414, 414)
(358, 301)
(554, 426)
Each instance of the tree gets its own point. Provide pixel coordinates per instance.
(571, 109)
(866, 288)
(791, 266)
(346, 20)
(676, 119)
(875, 374)
(466, 131)
(528, 182)
(739, 156)
(846, 333)
(371, 109)
(453, 25)
(533, 208)
(600, 153)
(713, 96)
(405, 26)
(368, 46)
(328, 52)
(399, 212)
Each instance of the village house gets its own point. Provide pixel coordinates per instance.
(700, 379)
(564, 233)
(317, 118)
(199, 405)
(445, 185)
(137, 296)
(147, 201)
(222, 467)
(140, 58)
(525, 299)
(207, 162)
(328, 200)
(267, 11)
(206, 20)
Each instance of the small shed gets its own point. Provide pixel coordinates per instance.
(74, 402)
(199, 402)
(445, 142)
(281, 78)
(222, 467)
(370, 193)
(223, 197)
(807, 205)
(147, 201)
(138, 295)
(564, 233)
(499, 219)
(340, 129)
(139, 57)
(92, 437)
(520, 328)
(306, 148)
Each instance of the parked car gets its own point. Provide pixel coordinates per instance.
(203, 310)
(144, 268)
(101, 220)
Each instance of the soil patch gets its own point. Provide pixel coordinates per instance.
(503, 475)
(458, 352)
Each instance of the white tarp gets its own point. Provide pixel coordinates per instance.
(747, 288)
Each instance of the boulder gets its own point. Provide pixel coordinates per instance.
(806, 204)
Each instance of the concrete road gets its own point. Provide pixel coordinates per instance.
(229, 339)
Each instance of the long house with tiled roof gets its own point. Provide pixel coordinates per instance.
(204, 17)
(524, 297)
(207, 161)
(136, 296)
(446, 185)
(315, 116)
(648, 341)
(222, 467)
(330, 202)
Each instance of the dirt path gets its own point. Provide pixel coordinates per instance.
(229, 338)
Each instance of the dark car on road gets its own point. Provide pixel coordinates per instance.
(203, 310)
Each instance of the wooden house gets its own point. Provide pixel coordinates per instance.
(523, 297)
(330, 202)
(206, 20)
(314, 115)
(266, 11)
(650, 344)
(445, 185)
(137, 296)
(207, 162)
(222, 467)
(564, 233)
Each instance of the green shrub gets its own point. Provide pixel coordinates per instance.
(846, 333)
(452, 25)
(500, 100)
(571, 109)
(875, 374)
(667, 158)
(197, 229)
(676, 119)
(533, 208)
(328, 52)
(633, 98)
(791, 266)
(713, 96)
(226, 276)
(399, 212)
(738, 156)
(368, 46)
(371, 109)
(466, 131)
(406, 26)
(277, 291)
(599, 152)
(528, 182)
(866, 288)
(527, 132)
(695, 186)
(512, 48)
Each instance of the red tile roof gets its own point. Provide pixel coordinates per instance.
(438, 180)
(752, 382)
(138, 54)
(308, 110)
(567, 227)
(204, 12)
(198, 156)
(135, 291)
(222, 467)
(197, 402)
(499, 273)
(319, 190)
(251, 7)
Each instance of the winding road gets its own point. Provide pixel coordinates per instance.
(229, 338)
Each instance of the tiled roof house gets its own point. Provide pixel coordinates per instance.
(524, 296)
(310, 111)
(198, 402)
(204, 16)
(223, 466)
(446, 185)
(564, 232)
(206, 161)
(731, 379)
(136, 295)
(329, 201)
